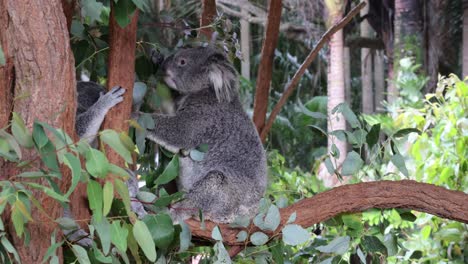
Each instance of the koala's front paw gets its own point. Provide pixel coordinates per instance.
(112, 97)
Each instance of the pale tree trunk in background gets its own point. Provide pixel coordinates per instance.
(367, 95)
(465, 38)
(38, 46)
(336, 88)
(245, 45)
(347, 74)
(379, 79)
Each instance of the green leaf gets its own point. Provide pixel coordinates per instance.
(348, 114)
(2, 57)
(96, 163)
(329, 165)
(373, 135)
(91, 9)
(165, 200)
(18, 221)
(146, 197)
(20, 132)
(294, 235)
(292, 218)
(222, 256)
(103, 229)
(272, 218)
(113, 139)
(240, 221)
(352, 163)
(119, 236)
(10, 248)
(337, 246)
(77, 29)
(51, 251)
(241, 236)
(75, 166)
(48, 191)
(33, 174)
(108, 197)
(354, 223)
(258, 238)
(122, 190)
(170, 172)
(399, 162)
(196, 155)
(39, 135)
(11, 142)
(161, 229)
(81, 254)
(143, 5)
(66, 223)
(373, 244)
(391, 243)
(145, 241)
(216, 234)
(406, 131)
(185, 237)
(94, 191)
(123, 11)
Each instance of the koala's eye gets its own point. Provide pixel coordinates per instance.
(182, 62)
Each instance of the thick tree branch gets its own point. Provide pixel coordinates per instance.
(297, 76)
(207, 17)
(262, 89)
(122, 73)
(355, 198)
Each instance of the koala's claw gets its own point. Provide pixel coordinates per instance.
(112, 98)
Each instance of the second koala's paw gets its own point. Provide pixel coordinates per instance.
(112, 97)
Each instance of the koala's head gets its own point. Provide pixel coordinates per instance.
(194, 69)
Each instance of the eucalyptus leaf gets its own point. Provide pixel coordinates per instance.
(399, 162)
(337, 246)
(119, 236)
(258, 238)
(161, 229)
(170, 172)
(352, 163)
(145, 241)
(81, 254)
(294, 235)
(96, 163)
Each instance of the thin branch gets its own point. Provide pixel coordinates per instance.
(355, 198)
(265, 69)
(310, 58)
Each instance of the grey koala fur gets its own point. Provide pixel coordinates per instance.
(231, 178)
(93, 104)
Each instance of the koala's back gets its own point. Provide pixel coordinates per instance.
(235, 151)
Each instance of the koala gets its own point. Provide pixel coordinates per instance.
(93, 104)
(231, 178)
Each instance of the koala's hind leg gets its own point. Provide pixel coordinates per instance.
(214, 196)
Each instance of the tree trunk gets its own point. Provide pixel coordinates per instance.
(336, 89)
(434, 39)
(379, 80)
(408, 36)
(38, 44)
(245, 45)
(6, 71)
(262, 89)
(207, 17)
(465, 38)
(121, 73)
(367, 94)
(68, 7)
(347, 74)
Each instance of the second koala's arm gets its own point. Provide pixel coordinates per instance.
(88, 122)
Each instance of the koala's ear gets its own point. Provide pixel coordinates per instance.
(224, 80)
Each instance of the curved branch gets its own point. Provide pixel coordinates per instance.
(354, 198)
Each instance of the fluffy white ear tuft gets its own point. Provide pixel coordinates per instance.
(224, 83)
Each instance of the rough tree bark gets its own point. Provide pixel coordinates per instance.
(207, 17)
(121, 73)
(37, 42)
(68, 7)
(355, 198)
(262, 89)
(367, 94)
(6, 71)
